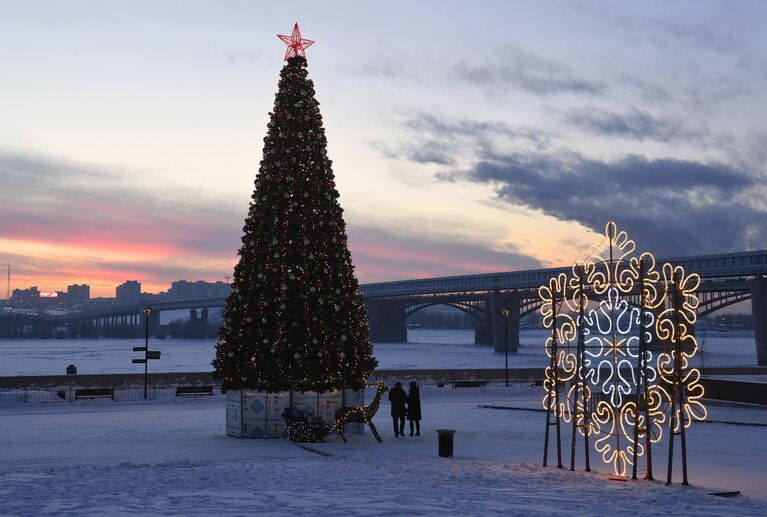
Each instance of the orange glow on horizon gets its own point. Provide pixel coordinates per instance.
(103, 264)
(52, 267)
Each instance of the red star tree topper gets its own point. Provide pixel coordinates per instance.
(296, 44)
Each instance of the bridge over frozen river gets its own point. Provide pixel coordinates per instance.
(728, 278)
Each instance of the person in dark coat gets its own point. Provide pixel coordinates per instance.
(414, 408)
(398, 399)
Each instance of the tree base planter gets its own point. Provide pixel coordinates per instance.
(258, 414)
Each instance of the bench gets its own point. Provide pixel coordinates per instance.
(193, 391)
(95, 393)
(470, 384)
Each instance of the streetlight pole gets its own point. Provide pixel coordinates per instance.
(506, 339)
(147, 312)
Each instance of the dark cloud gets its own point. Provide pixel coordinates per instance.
(445, 127)
(424, 152)
(384, 68)
(703, 59)
(57, 201)
(396, 253)
(515, 68)
(673, 206)
(509, 68)
(722, 32)
(670, 206)
(441, 140)
(439, 153)
(712, 36)
(632, 125)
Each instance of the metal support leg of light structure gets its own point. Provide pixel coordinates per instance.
(554, 369)
(574, 434)
(579, 385)
(581, 361)
(548, 421)
(672, 412)
(147, 312)
(641, 374)
(682, 396)
(506, 313)
(557, 414)
(678, 395)
(645, 397)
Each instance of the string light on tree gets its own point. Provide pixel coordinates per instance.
(295, 319)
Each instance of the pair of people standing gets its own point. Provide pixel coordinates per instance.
(405, 404)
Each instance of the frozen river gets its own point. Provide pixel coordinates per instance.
(426, 349)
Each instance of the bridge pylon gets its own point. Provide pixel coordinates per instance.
(154, 321)
(498, 327)
(759, 310)
(386, 320)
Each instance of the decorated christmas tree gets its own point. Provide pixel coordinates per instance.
(295, 318)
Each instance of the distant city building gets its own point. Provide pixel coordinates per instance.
(78, 293)
(185, 290)
(128, 293)
(26, 295)
(154, 297)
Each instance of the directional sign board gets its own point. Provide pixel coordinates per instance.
(139, 361)
(153, 354)
(139, 349)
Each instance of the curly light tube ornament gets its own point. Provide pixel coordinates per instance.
(552, 377)
(579, 386)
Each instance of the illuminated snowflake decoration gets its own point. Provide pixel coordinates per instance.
(620, 350)
(611, 336)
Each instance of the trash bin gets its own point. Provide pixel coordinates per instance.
(446, 442)
(71, 370)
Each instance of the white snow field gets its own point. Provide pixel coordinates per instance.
(172, 458)
(427, 349)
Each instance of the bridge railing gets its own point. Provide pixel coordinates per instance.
(720, 266)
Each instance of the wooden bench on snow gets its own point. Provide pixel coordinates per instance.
(94, 393)
(193, 391)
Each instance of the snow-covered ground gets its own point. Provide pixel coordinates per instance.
(172, 458)
(426, 349)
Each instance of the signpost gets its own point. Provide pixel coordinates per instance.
(148, 354)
